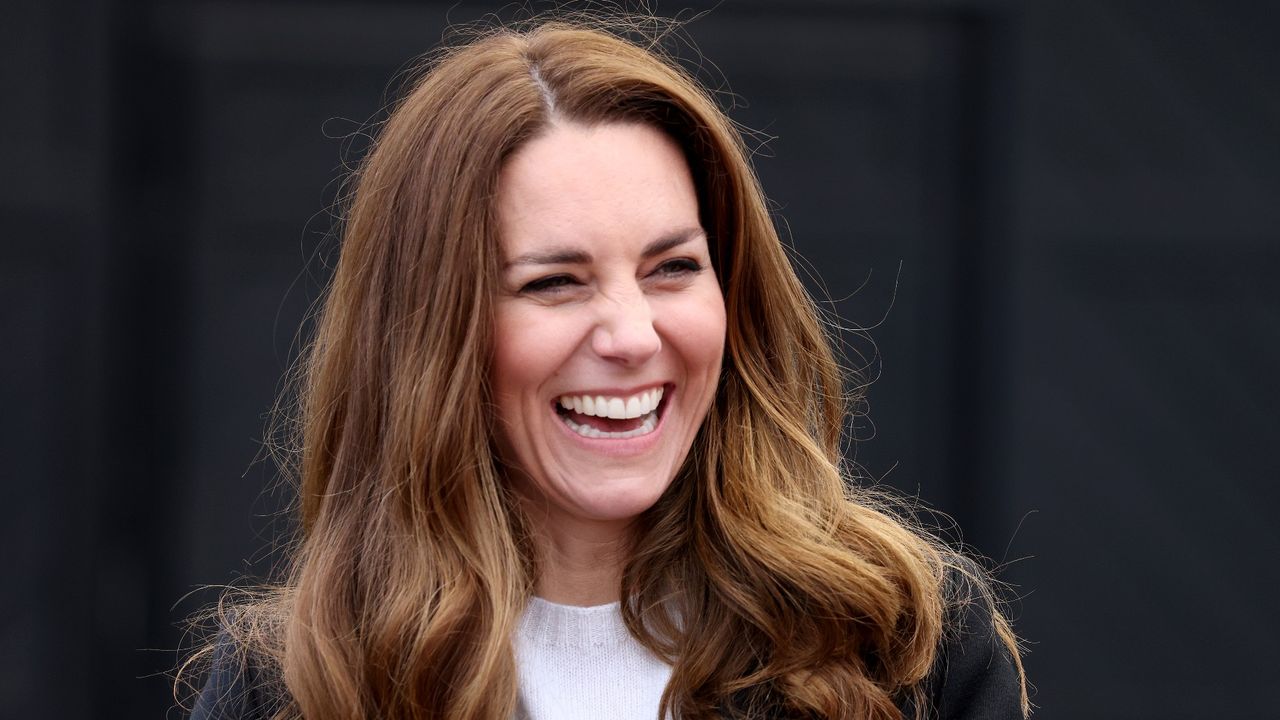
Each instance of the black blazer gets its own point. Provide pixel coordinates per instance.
(974, 677)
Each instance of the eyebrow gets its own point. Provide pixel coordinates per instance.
(575, 256)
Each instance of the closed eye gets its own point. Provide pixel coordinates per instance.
(549, 285)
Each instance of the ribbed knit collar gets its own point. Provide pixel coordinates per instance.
(551, 625)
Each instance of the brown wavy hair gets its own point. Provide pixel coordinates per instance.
(768, 582)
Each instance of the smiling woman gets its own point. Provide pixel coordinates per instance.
(570, 437)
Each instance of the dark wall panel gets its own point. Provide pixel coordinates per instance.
(1147, 247)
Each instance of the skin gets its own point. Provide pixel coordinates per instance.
(607, 289)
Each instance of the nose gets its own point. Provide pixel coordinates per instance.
(624, 331)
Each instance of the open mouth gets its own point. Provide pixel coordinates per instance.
(612, 417)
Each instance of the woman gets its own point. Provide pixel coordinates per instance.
(570, 437)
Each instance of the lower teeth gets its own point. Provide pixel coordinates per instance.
(646, 427)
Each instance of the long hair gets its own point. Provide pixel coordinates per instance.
(767, 581)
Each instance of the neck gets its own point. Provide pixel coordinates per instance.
(580, 563)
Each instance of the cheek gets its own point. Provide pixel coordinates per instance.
(531, 345)
(707, 321)
(514, 371)
(697, 330)
(513, 374)
(508, 355)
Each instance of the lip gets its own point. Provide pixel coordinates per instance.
(617, 392)
(622, 446)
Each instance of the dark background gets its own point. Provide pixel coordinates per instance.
(1060, 219)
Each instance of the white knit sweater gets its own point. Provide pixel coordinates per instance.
(580, 663)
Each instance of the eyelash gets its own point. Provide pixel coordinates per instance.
(548, 284)
(679, 266)
(554, 283)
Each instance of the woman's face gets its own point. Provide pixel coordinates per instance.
(610, 323)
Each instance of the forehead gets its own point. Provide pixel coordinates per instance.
(584, 184)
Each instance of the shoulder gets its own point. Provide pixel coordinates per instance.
(975, 676)
(238, 686)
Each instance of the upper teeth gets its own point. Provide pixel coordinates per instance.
(618, 408)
